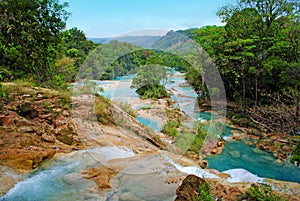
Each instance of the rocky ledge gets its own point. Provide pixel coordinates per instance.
(35, 124)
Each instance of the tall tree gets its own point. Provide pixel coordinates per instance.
(259, 26)
(30, 32)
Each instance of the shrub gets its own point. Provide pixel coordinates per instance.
(199, 138)
(260, 192)
(204, 193)
(152, 91)
(170, 128)
(103, 110)
(128, 109)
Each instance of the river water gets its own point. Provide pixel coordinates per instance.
(236, 154)
(60, 178)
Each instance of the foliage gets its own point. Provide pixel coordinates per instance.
(204, 193)
(2, 91)
(296, 153)
(199, 138)
(128, 109)
(152, 91)
(30, 32)
(75, 46)
(256, 52)
(88, 87)
(103, 110)
(189, 140)
(148, 81)
(170, 128)
(33, 46)
(260, 192)
(184, 139)
(65, 99)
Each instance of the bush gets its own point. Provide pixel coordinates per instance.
(128, 109)
(152, 91)
(170, 128)
(204, 193)
(103, 110)
(199, 138)
(296, 153)
(260, 192)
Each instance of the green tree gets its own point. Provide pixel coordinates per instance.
(256, 31)
(76, 46)
(30, 32)
(149, 81)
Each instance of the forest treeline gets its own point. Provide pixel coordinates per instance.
(35, 46)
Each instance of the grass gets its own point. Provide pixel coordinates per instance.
(204, 193)
(170, 128)
(103, 110)
(18, 87)
(88, 87)
(260, 192)
(128, 109)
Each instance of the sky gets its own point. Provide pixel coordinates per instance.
(112, 18)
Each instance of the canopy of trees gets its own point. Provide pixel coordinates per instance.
(257, 51)
(34, 45)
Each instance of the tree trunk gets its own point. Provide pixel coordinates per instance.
(256, 91)
(297, 114)
(203, 87)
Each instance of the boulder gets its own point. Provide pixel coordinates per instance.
(237, 136)
(189, 188)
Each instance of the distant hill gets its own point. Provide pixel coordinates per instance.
(140, 41)
(98, 40)
(174, 41)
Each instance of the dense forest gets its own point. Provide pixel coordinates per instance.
(257, 54)
(35, 46)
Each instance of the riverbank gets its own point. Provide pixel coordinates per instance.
(113, 160)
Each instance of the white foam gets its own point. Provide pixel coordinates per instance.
(202, 120)
(242, 175)
(202, 173)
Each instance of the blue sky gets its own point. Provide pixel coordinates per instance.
(107, 18)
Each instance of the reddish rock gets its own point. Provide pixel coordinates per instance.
(8, 119)
(237, 137)
(189, 188)
(100, 175)
(220, 144)
(214, 151)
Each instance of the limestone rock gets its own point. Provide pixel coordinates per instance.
(237, 136)
(100, 175)
(128, 196)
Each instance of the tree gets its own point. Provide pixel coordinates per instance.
(255, 29)
(30, 32)
(149, 81)
(76, 46)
